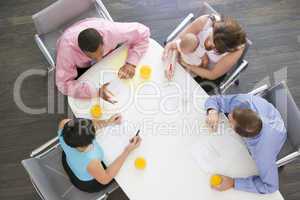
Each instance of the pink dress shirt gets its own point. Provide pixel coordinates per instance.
(69, 55)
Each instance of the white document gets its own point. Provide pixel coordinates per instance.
(207, 156)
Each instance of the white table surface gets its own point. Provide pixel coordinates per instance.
(171, 124)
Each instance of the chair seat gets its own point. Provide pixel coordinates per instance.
(50, 39)
(48, 175)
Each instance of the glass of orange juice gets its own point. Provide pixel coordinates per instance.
(145, 72)
(215, 180)
(140, 163)
(96, 111)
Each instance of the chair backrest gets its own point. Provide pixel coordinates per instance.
(59, 13)
(50, 179)
(282, 99)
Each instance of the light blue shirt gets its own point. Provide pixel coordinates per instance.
(78, 161)
(263, 148)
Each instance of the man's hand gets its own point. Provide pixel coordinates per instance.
(213, 119)
(127, 71)
(105, 94)
(226, 184)
(115, 119)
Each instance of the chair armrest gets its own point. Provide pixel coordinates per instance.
(102, 10)
(259, 90)
(233, 76)
(38, 151)
(188, 19)
(289, 158)
(44, 51)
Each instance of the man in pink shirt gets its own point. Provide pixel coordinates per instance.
(87, 42)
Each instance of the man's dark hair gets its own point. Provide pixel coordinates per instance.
(89, 40)
(78, 132)
(248, 123)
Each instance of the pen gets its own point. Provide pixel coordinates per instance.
(137, 133)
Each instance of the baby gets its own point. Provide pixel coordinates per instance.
(191, 52)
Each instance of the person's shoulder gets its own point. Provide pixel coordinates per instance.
(203, 19)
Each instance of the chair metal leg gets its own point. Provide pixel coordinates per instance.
(287, 159)
(45, 52)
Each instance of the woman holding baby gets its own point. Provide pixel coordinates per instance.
(209, 48)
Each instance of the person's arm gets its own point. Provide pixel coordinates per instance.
(62, 123)
(115, 119)
(135, 35)
(66, 73)
(195, 27)
(225, 103)
(204, 61)
(266, 182)
(221, 68)
(103, 176)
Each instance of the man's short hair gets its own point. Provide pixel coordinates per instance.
(248, 123)
(78, 132)
(89, 40)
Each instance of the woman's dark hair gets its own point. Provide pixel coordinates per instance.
(89, 40)
(248, 123)
(228, 35)
(78, 132)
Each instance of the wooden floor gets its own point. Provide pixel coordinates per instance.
(272, 25)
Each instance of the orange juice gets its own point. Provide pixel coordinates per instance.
(96, 111)
(215, 180)
(145, 72)
(140, 163)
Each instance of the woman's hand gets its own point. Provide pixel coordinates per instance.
(62, 123)
(115, 119)
(171, 46)
(133, 144)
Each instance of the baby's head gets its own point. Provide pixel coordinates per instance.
(188, 43)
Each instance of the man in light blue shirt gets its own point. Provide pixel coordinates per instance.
(263, 130)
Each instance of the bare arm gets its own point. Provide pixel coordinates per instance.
(62, 123)
(221, 68)
(99, 124)
(195, 27)
(103, 176)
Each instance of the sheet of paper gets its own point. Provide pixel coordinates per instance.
(206, 156)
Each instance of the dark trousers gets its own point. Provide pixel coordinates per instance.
(86, 186)
(210, 86)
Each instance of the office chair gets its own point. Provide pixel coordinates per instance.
(50, 180)
(280, 96)
(233, 75)
(51, 22)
